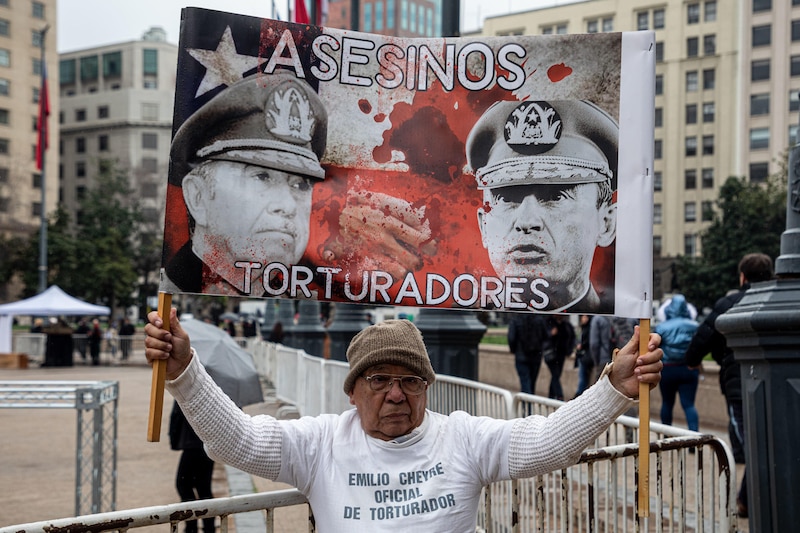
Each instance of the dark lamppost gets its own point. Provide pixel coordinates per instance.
(42, 148)
(763, 330)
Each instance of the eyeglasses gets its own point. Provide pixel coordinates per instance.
(413, 385)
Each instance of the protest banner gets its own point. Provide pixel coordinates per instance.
(405, 171)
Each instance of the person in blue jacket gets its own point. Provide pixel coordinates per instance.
(677, 378)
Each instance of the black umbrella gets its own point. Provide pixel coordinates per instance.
(227, 363)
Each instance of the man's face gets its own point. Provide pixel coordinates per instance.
(387, 415)
(247, 212)
(546, 231)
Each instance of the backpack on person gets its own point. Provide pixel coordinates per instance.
(621, 331)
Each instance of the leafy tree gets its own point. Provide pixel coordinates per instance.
(750, 217)
(106, 232)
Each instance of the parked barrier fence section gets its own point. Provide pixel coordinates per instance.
(692, 473)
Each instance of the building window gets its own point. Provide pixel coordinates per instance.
(36, 209)
(759, 138)
(642, 20)
(368, 18)
(794, 99)
(659, 52)
(150, 61)
(759, 172)
(592, 26)
(707, 178)
(5, 58)
(80, 192)
(389, 14)
(102, 143)
(759, 104)
(659, 84)
(691, 113)
(792, 134)
(80, 115)
(80, 169)
(36, 66)
(761, 5)
(149, 111)
(709, 110)
(689, 245)
(709, 45)
(5, 88)
(707, 211)
(404, 14)
(149, 190)
(691, 146)
(657, 148)
(709, 79)
(5, 28)
(659, 117)
(657, 245)
(149, 140)
(691, 81)
(711, 11)
(690, 212)
(692, 47)
(112, 65)
(102, 111)
(36, 39)
(690, 179)
(89, 68)
(378, 16)
(658, 19)
(3, 175)
(794, 66)
(80, 145)
(66, 71)
(150, 165)
(795, 30)
(36, 181)
(762, 35)
(759, 70)
(4, 117)
(608, 24)
(658, 180)
(4, 146)
(657, 214)
(693, 13)
(37, 10)
(708, 145)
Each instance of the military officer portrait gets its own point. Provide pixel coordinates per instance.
(246, 162)
(547, 172)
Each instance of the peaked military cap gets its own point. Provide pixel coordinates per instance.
(537, 142)
(270, 120)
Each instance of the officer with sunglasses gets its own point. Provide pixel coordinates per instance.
(390, 462)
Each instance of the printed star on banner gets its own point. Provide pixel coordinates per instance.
(224, 66)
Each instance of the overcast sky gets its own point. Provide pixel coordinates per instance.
(90, 23)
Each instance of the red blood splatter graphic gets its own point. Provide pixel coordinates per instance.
(558, 72)
(364, 106)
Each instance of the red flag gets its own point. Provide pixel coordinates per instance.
(41, 123)
(300, 12)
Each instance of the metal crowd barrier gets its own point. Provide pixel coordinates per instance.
(693, 474)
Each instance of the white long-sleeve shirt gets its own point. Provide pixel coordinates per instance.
(429, 480)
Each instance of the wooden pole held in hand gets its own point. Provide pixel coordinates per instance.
(159, 375)
(644, 427)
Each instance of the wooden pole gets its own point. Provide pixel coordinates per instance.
(644, 427)
(159, 375)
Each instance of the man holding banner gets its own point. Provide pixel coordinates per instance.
(390, 461)
(547, 171)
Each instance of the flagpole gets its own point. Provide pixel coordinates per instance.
(43, 148)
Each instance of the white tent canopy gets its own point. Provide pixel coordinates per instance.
(52, 302)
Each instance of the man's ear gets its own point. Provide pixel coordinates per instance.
(194, 190)
(608, 225)
(351, 398)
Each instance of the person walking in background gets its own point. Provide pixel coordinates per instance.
(527, 337)
(81, 337)
(677, 378)
(583, 354)
(752, 268)
(95, 338)
(195, 468)
(562, 336)
(112, 339)
(276, 335)
(126, 333)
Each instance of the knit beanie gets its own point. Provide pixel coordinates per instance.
(394, 342)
